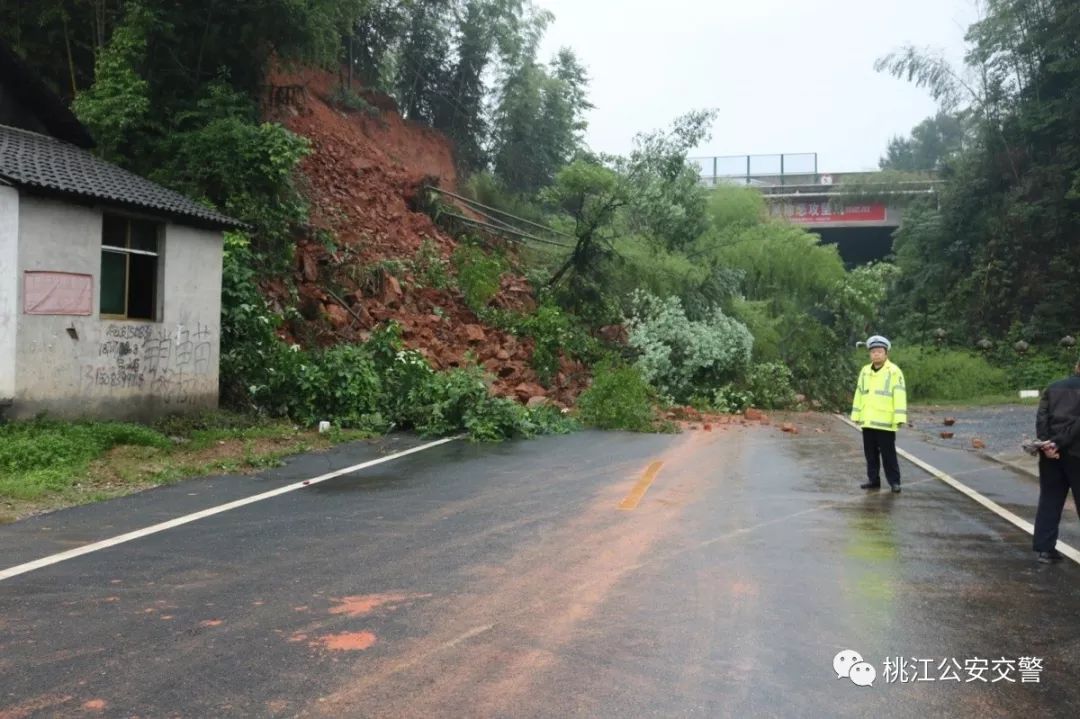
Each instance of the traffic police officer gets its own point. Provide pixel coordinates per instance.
(880, 409)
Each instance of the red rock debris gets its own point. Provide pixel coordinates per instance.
(756, 415)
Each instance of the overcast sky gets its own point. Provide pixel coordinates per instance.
(786, 75)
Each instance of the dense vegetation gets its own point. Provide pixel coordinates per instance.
(721, 306)
(997, 256)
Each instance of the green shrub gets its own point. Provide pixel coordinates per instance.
(441, 405)
(823, 368)
(549, 419)
(767, 386)
(489, 190)
(497, 418)
(732, 206)
(619, 398)
(766, 328)
(429, 268)
(1038, 367)
(342, 382)
(681, 357)
(946, 375)
(250, 347)
(402, 373)
(345, 98)
(729, 399)
(770, 386)
(459, 399)
(555, 332)
(478, 275)
(247, 169)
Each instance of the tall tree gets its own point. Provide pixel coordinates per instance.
(59, 37)
(668, 200)
(539, 120)
(371, 43)
(1000, 255)
(460, 111)
(931, 143)
(422, 60)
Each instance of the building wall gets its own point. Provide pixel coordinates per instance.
(9, 289)
(103, 367)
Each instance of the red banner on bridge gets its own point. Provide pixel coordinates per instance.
(810, 213)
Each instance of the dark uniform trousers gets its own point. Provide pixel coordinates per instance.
(879, 446)
(1056, 478)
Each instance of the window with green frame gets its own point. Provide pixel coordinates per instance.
(129, 267)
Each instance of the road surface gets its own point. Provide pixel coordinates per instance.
(707, 574)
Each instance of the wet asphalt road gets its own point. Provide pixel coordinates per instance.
(505, 581)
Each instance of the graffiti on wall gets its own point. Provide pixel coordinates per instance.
(174, 364)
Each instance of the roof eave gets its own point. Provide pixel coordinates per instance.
(222, 223)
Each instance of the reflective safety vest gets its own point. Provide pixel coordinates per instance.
(880, 398)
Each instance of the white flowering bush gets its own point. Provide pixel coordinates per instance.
(683, 357)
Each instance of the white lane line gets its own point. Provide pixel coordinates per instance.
(154, 529)
(475, 632)
(990, 504)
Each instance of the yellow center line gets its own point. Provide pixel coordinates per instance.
(639, 490)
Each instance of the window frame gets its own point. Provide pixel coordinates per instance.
(127, 252)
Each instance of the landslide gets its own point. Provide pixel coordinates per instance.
(353, 268)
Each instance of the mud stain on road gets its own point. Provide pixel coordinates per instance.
(345, 642)
(531, 610)
(362, 605)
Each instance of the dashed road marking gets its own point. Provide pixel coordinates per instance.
(642, 486)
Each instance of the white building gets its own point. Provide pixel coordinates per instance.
(110, 285)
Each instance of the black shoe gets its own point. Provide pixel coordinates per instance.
(895, 488)
(1050, 557)
(869, 485)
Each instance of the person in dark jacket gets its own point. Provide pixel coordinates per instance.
(1057, 424)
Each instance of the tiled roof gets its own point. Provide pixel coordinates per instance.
(35, 161)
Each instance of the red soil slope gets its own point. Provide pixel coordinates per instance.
(361, 177)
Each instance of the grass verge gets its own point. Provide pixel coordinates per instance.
(49, 464)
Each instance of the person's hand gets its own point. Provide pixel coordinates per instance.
(1051, 451)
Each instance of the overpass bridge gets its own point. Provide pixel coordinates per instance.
(797, 191)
